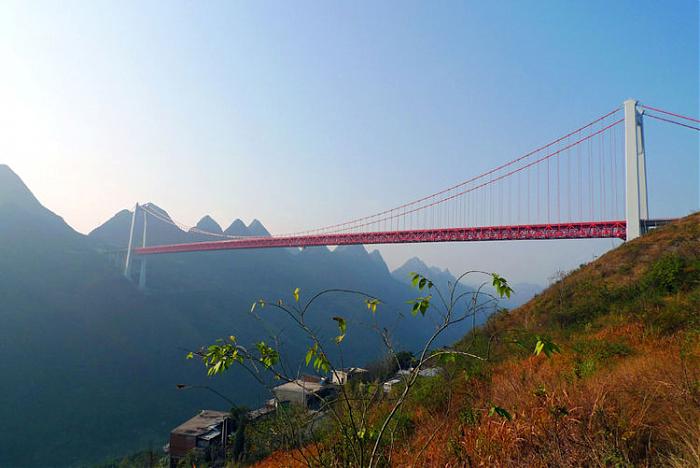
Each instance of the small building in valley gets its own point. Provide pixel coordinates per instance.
(308, 391)
(389, 384)
(430, 372)
(350, 374)
(404, 374)
(207, 433)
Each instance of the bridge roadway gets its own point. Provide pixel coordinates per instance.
(585, 230)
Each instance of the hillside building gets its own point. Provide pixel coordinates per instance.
(207, 433)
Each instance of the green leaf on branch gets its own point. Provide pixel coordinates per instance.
(501, 412)
(342, 326)
(372, 304)
(501, 285)
(419, 281)
(420, 304)
(268, 355)
(546, 346)
(311, 353)
(296, 294)
(218, 358)
(321, 363)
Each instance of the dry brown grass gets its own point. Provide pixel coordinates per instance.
(639, 410)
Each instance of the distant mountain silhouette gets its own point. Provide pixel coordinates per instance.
(208, 224)
(256, 228)
(115, 231)
(71, 336)
(14, 192)
(22, 214)
(440, 277)
(377, 258)
(237, 228)
(316, 251)
(522, 292)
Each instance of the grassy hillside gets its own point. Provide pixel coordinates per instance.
(623, 390)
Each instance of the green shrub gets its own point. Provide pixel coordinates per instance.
(671, 317)
(593, 354)
(468, 416)
(584, 367)
(665, 275)
(601, 349)
(430, 392)
(607, 349)
(402, 425)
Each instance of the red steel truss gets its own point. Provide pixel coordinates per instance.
(590, 230)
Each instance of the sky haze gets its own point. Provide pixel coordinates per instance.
(310, 113)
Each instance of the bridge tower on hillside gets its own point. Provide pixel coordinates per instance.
(636, 197)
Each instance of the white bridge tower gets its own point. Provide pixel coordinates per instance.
(636, 199)
(129, 249)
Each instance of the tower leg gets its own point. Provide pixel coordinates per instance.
(641, 158)
(127, 263)
(142, 274)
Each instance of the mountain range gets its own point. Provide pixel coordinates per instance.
(90, 362)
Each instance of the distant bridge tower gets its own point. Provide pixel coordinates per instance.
(142, 273)
(129, 249)
(636, 199)
(127, 263)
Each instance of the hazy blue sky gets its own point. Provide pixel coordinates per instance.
(304, 114)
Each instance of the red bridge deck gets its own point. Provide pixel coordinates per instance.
(590, 230)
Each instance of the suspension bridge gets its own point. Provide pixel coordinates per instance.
(588, 183)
